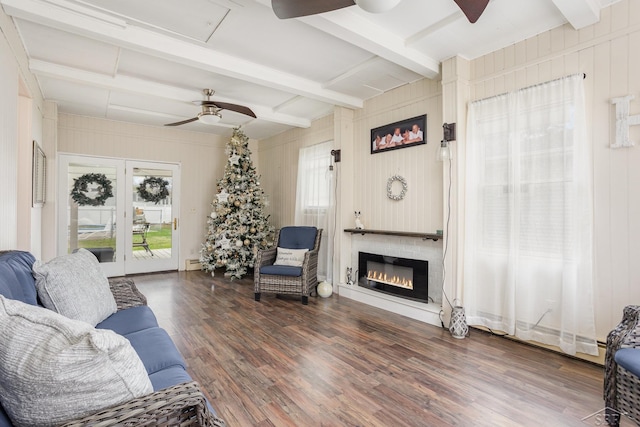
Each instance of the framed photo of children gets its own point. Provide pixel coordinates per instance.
(403, 134)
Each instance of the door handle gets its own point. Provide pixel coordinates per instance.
(175, 223)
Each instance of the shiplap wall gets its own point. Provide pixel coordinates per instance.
(608, 53)
(421, 210)
(200, 155)
(8, 147)
(20, 122)
(15, 166)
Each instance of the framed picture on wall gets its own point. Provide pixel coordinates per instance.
(39, 175)
(402, 134)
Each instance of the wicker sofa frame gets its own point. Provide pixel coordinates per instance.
(302, 285)
(180, 405)
(621, 387)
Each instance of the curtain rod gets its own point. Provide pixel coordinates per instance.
(584, 76)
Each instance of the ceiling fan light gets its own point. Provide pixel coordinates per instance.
(377, 6)
(210, 118)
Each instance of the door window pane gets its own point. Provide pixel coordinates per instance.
(91, 210)
(152, 213)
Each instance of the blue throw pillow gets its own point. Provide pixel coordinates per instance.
(16, 281)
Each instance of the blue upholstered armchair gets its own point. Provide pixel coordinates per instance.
(292, 266)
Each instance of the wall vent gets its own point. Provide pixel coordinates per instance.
(192, 264)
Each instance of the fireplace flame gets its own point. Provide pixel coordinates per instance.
(400, 282)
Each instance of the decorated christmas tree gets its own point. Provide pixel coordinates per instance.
(237, 227)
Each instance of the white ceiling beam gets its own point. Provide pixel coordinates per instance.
(69, 17)
(371, 62)
(443, 23)
(579, 13)
(144, 87)
(354, 29)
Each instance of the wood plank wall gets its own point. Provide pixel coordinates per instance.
(15, 81)
(421, 210)
(8, 147)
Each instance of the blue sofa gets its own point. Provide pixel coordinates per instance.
(176, 399)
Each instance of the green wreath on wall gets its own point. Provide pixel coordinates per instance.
(153, 189)
(81, 188)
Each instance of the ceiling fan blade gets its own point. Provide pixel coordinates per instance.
(237, 108)
(472, 8)
(285, 9)
(184, 122)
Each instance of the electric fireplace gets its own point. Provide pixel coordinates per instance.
(407, 278)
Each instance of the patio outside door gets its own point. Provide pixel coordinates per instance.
(152, 244)
(102, 209)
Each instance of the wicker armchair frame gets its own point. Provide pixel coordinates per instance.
(622, 388)
(302, 285)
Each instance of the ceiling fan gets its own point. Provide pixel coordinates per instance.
(285, 9)
(210, 113)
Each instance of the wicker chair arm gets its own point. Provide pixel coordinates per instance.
(310, 258)
(626, 334)
(180, 405)
(265, 257)
(126, 293)
(310, 269)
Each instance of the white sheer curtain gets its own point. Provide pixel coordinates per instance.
(528, 257)
(314, 200)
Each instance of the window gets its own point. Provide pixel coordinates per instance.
(314, 199)
(528, 251)
(314, 177)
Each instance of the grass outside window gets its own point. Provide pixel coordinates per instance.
(158, 237)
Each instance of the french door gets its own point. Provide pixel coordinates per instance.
(123, 211)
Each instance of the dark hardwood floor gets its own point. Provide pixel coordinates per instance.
(337, 362)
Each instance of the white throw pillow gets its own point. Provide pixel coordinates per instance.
(54, 369)
(75, 286)
(292, 257)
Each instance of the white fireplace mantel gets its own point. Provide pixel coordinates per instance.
(424, 236)
(406, 245)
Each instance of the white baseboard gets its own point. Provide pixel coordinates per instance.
(192, 264)
(424, 312)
